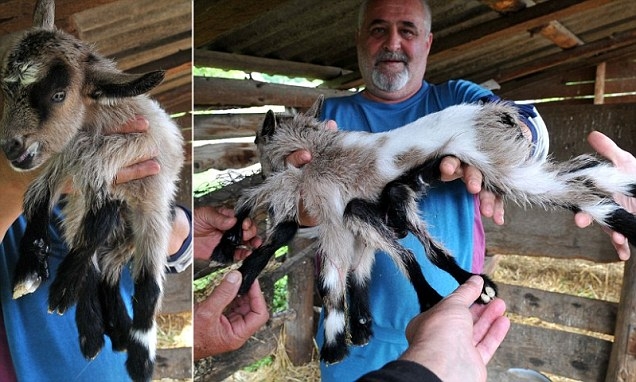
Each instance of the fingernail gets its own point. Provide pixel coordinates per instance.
(233, 277)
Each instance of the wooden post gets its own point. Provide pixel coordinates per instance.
(299, 332)
(622, 363)
(599, 84)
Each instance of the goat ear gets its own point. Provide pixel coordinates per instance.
(269, 124)
(111, 84)
(44, 14)
(316, 108)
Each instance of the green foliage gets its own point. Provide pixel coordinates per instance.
(258, 364)
(279, 300)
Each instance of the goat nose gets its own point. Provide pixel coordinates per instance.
(13, 147)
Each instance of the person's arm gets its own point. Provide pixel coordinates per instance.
(624, 161)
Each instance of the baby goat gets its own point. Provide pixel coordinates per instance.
(63, 104)
(364, 187)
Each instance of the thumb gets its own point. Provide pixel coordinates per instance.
(226, 291)
(468, 292)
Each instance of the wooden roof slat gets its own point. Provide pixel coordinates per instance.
(519, 22)
(223, 60)
(214, 18)
(136, 22)
(559, 34)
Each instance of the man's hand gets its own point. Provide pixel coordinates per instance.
(491, 206)
(209, 225)
(457, 338)
(217, 332)
(625, 162)
(298, 159)
(145, 166)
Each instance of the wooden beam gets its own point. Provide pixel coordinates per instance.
(559, 35)
(505, 6)
(577, 54)
(228, 92)
(599, 84)
(622, 363)
(454, 45)
(213, 18)
(219, 126)
(110, 27)
(223, 156)
(206, 58)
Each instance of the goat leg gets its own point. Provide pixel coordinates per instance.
(254, 264)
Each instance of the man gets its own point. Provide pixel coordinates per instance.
(35, 345)
(393, 41)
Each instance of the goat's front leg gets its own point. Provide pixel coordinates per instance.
(254, 264)
(32, 267)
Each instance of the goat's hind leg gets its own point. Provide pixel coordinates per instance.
(399, 201)
(366, 220)
(254, 264)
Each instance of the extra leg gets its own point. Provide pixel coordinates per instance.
(254, 264)
(358, 292)
(232, 238)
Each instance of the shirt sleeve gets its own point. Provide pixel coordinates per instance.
(183, 257)
(400, 371)
(530, 116)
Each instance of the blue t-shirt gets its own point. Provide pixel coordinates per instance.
(43, 346)
(451, 213)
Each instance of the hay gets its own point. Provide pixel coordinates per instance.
(280, 369)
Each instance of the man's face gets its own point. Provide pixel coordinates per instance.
(393, 45)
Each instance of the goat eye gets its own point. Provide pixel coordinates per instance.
(59, 96)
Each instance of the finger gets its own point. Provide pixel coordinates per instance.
(139, 124)
(604, 146)
(498, 215)
(257, 301)
(484, 316)
(139, 170)
(331, 125)
(450, 168)
(582, 220)
(299, 158)
(208, 219)
(473, 179)
(224, 293)
(493, 338)
(621, 245)
(468, 292)
(487, 203)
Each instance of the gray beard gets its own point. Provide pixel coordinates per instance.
(390, 83)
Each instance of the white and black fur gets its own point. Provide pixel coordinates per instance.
(63, 105)
(363, 188)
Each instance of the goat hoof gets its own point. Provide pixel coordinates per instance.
(334, 353)
(139, 364)
(29, 284)
(489, 291)
(91, 346)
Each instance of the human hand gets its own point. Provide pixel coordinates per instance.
(209, 225)
(298, 159)
(490, 205)
(216, 332)
(145, 166)
(457, 338)
(625, 162)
